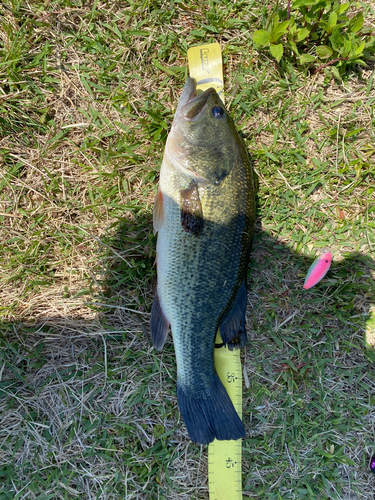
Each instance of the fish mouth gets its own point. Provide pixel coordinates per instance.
(192, 106)
(196, 105)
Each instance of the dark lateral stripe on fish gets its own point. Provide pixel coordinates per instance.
(211, 416)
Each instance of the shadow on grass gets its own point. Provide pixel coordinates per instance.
(90, 405)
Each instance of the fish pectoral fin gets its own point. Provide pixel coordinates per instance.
(158, 213)
(158, 325)
(232, 329)
(191, 210)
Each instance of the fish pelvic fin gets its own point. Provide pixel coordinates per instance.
(232, 329)
(158, 325)
(211, 416)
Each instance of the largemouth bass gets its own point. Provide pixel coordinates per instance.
(204, 214)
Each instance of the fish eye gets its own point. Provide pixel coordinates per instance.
(217, 112)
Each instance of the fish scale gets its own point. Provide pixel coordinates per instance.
(191, 263)
(202, 265)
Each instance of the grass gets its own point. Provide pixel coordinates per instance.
(88, 408)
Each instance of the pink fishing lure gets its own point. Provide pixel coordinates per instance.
(318, 270)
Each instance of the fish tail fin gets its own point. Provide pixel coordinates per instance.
(211, 416)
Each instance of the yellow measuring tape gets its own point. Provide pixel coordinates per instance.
(224, 457)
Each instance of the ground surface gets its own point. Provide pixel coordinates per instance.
(87, 408)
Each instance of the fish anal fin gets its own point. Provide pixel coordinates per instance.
(211, 416)
(232, 329)
(158, 213)
(158, 325)
(191, 210)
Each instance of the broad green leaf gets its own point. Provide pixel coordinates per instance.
(328, 75)
(303, 3)
(356, 23)
(262, 37)
(323, 51)
(343, 21)
(277, 51)
(293, 46)
(359, 49)
(318, 6)
(332, 21)
(353, 49)
(312, 14)
(343, 7)
(292, 29)
(279, 30)
(306, 58)
(360, 62)
(336, 39)
(336, 74)
(346, 47)
(324, 25)
(302, 34)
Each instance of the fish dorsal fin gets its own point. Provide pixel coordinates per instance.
(158, 214)
(191, 210)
